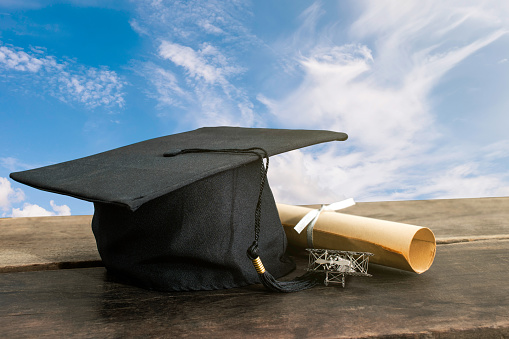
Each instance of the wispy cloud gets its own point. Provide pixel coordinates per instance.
(13, 164)
(166, 83)
(379, 91)
(207, 64)
(28, 4)
(65, 80)
(197, 68)
(189, 21)
(465, 180)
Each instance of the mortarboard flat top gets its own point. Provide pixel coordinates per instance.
(138, 173)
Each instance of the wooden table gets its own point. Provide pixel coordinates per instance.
(52, 285)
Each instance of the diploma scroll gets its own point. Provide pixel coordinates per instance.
(407, 247)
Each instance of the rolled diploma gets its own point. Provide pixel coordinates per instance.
(407, 247)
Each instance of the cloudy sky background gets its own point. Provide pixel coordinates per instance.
(420, 87)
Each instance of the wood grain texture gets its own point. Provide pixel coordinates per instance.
(463, 295)
(28, 244)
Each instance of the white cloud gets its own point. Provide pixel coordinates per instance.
(19, 60)
(60, 209)
(294, 178)
(30, 210)
(135, 25)
(192, 61)
(64, 80)
(8, 195)
(380, 96)
(206, 64)
(210, 28)
(91, 87)
(467, 181)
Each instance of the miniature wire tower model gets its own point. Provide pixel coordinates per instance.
(338, 264)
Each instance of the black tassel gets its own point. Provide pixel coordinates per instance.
(305, 281)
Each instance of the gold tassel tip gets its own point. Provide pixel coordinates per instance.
(257, 263)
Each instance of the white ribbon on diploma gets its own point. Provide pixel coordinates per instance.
(310, 218)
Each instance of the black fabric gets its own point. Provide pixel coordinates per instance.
(183, 221)
(196, 237)
(138, 173)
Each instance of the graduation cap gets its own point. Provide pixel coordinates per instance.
(179, 212)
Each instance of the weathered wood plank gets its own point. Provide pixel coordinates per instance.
(46, 243)
(465, 294)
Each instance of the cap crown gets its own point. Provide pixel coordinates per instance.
(194, 238)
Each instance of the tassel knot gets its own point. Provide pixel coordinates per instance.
(252, 251)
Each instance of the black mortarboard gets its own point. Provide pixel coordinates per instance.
(177, 212)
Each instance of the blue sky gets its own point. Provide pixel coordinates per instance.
(420, 87)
